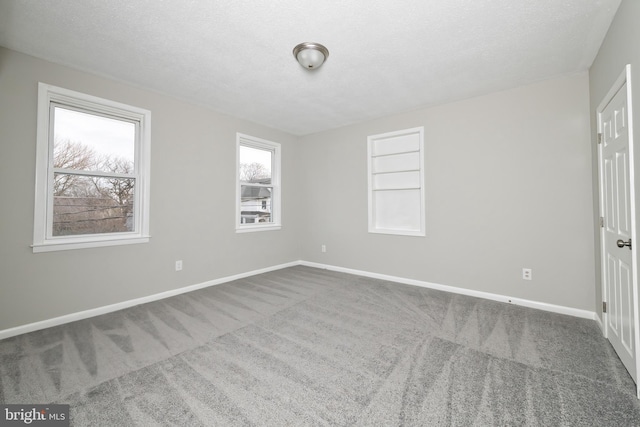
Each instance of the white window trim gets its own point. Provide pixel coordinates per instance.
(252, 141)
(42, 242)
(370, 156)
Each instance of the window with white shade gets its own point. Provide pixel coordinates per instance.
(92, 172)
(257, 184)
(396, 182)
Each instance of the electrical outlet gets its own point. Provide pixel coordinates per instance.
(323, 248)
(527, 274)
(179, 265)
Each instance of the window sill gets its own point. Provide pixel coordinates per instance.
(64, 246)
(252, 228)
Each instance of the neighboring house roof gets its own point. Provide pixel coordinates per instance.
(248, 192)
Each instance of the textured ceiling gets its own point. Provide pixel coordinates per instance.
(385, 56)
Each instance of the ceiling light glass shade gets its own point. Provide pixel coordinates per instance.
(310, 55)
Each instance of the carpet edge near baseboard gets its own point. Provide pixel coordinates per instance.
(72, 317)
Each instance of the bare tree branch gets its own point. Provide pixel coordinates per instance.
(253, 172)
(111, 199)
(70, 155)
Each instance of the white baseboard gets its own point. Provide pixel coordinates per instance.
(479, 294)
(23, 329)
(599, 322)
(67, 318)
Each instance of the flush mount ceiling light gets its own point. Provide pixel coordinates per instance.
(310, 55)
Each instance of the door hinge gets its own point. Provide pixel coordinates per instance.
(599, 138)
(601, 222)
(604, 307)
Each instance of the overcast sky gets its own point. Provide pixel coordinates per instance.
(253, 155)
(111, 137)
(104, 135)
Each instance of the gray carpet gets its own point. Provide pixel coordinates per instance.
(303, 346)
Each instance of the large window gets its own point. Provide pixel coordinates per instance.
(92, 172)
(396, 182)
(258, 184)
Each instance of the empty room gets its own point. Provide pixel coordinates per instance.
(319, 213)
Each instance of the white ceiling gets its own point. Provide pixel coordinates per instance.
(385, 57)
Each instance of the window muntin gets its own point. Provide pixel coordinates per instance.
(258, 178)
(92, 172)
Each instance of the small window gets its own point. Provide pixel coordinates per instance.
(258, 184)
(396, 182)
(92, 172)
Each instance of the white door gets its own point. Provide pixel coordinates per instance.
(617, 244)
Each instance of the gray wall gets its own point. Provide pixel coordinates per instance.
(192, 203)
(619, 48)
(508, 185)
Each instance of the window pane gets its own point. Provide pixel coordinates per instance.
(255, 165)
(255, 204)
(89, 142)
(90, 205)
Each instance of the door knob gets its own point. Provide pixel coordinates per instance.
(621, 243)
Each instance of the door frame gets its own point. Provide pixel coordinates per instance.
(624, 78)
